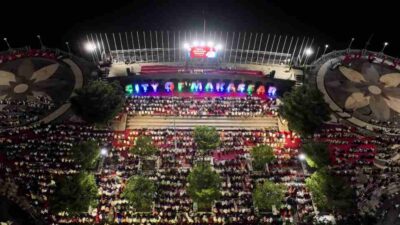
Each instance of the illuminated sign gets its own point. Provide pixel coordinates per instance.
(202, 52)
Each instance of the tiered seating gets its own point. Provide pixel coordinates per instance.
(35, 156)
(366, 162)
(347, 147)
(230, 161)
(188, 106)
(21, 112)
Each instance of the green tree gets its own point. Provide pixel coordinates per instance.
(74, 194)
(143, 148)
(204, 185)
(268, 194)
(86, 154)
(330, 193)
(140, 192)
(206, 138)
(98, 102)
(305, 110)
(317, 154)
(261, 155)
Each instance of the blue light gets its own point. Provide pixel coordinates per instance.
(144, 87)
(137, 88)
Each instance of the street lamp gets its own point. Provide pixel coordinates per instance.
(69, 49)
(103, 152)
(40, 41)
(8, 44)
(326, 47)
(351, 42)
(302, 156)
(384, 46)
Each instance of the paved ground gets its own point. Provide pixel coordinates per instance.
(221, 123)
(345, 86)
(23, 78)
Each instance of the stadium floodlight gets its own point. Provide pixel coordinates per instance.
(218, 47)
(195, 43)
(302, 156)
(186, 46)
(326, 46)
(308, 51)
(90, 47)
(386, 43)
(210, 44)
(103, 152)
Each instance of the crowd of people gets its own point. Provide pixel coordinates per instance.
(35, 156)
(21, 112)
(370, 164)
(346, 147)
(189, 106)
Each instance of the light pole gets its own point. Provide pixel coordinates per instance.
(308, 52)
(351, 42)
(326, 47)
(69, 49)
(302, 158)
(384, 46)
(8, 44)
(91, 47)
(103, 154)
(40, 41)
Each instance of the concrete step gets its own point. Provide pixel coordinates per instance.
(168, 122)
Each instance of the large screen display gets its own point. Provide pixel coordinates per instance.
(202, 52)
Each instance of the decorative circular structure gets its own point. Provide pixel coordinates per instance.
(362, 87)
(35, 86)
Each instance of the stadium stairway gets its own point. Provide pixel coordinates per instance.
(137, 122)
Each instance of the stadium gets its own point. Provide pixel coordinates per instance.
(199, 127)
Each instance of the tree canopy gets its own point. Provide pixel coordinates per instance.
(86, 154)
(143, 147)
(206, 138)
(317, 154)
(305, 109)
(74, 194)
(261, 155)
(268, 194)
(330, 193)
(98, 102)
(140, 192)
(204, 185)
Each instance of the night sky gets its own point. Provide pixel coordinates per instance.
(332, 22)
